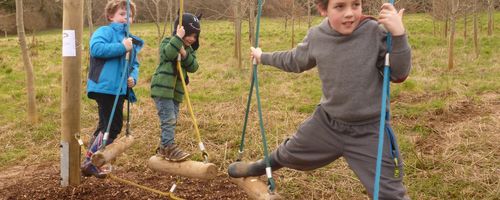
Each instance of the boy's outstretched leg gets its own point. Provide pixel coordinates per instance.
(361, 153)
(246, 169)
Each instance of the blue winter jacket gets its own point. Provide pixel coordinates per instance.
(107, 60)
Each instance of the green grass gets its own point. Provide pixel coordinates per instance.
(441, 157)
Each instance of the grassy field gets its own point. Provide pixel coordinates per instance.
(447, 121)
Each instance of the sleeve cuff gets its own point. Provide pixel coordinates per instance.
(123, 49)
(265, 58)
(177, 42)
(400, 43)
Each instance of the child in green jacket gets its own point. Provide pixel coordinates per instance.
(166, 85)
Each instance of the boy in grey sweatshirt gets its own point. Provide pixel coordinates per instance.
(349, 50)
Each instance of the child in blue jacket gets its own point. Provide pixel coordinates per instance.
(108, 49)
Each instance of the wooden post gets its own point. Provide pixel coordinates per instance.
(187, 168)
(71, 91)
(255, 188)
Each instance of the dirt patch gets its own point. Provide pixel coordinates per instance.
(440, 120)
(42, 182)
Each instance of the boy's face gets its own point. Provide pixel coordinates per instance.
(120, 16)
(343, 15)
(189, 39)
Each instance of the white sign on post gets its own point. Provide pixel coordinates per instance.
(69, 44)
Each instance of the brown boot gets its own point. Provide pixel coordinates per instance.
(173, 153)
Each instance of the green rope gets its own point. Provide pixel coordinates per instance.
(255, 81)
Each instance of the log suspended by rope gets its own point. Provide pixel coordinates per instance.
(112, 151)
(189, 168)
(255, 188)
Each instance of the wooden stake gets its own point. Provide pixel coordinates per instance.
(71, 91)
(112, 151)
(187, 168)
(255, 188)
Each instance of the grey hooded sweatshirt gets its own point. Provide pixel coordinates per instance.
(350, 67)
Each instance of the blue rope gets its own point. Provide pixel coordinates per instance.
(106, 134)
(383, 115)
(127, 32)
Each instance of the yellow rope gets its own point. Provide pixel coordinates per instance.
(167, 194)
(186, 92)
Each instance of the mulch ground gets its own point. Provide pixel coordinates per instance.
(43, 182)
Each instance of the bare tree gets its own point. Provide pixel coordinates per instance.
(491, 10)
(237, 31)
(441, 12)
(28, 67)
(434, 7)
(293, 23)
(476, 39)
(466, 8)
(89, 17)
(252, 5)
(451, 41)
(309, 8)
(171, 10)
(156, 16)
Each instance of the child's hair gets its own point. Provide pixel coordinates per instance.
(323, 4)
(113, 5)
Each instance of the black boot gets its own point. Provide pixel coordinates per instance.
(246, 169)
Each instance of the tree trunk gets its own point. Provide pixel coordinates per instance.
(28, 67)
(286, 22)
(166, 20)
(476, 39)
(158, 19)
(251, 21)
(177, 7)
(309, 21)
(237, 32)
(434, 7)
(451, 41)
(170, 14)
(445, 29)
(293, 23)
(491, 22)
(465, 26)
(89, 17)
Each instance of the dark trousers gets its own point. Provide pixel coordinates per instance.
(105, 105)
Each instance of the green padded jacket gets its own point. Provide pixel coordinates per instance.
(166, 82)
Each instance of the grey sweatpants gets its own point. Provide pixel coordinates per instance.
(321, 140)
